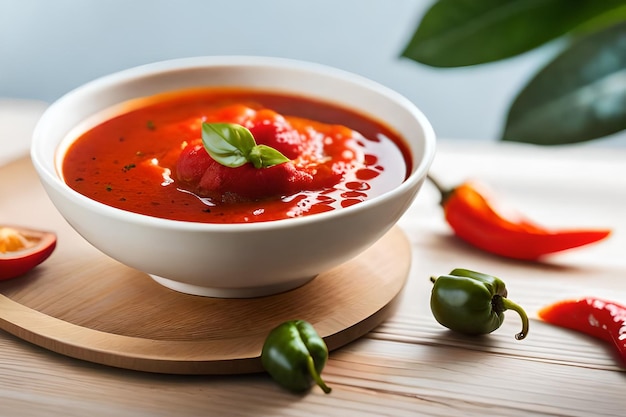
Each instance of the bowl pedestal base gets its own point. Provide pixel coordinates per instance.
(229, 292)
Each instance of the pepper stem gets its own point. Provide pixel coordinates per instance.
(316, 376)
(510, 305)
(445, 192)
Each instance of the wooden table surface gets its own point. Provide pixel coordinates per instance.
(409, 365)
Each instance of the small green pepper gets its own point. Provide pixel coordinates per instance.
(472, 303)
(294, 355)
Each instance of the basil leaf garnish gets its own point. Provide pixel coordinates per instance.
(233, 145)
(263, 156)
(227, 143)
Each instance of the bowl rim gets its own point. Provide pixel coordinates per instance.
(53, 179)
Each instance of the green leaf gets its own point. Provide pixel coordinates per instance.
(229, 144)
(579, 96)
(456, 33)
(601, 21)
(233, 145)
(263, 156)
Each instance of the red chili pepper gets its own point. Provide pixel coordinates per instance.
(596, 317)
(471, 214)
(23, 249)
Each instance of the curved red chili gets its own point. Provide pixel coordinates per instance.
(23, 249)
(472, 216)
(596, 317)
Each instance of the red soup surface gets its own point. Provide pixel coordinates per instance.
(148, 157)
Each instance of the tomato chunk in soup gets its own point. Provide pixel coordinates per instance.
(319, 156)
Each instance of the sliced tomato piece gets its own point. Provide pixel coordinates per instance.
(22, 249)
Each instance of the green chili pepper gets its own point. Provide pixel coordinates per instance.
(472, 303)
(294, 355)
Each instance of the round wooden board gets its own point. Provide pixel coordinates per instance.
(83, 304)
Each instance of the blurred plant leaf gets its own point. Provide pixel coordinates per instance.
(579, 96)
(456, 33)
(609, 18)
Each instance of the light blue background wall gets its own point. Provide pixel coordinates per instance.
(48, 47)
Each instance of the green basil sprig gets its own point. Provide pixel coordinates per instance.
(233, 145)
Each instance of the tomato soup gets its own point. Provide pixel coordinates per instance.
(146, 156)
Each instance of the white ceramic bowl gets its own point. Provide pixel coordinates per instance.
(279, 255)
